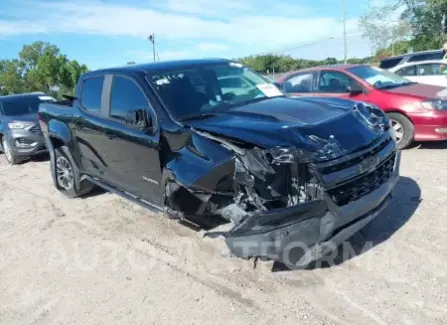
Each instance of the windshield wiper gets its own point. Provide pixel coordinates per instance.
(198, 117)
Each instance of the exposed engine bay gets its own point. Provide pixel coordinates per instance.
(263, 179)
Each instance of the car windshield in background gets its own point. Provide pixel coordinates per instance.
(23, 106)
(380, 79)
(202, 91)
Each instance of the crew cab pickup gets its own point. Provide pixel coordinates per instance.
(282, 172)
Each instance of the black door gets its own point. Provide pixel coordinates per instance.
(132, 154)
(88, 127)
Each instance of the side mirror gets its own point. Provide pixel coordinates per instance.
(140, 119)
(355, 89)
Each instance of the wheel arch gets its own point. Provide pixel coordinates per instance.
(398, 111)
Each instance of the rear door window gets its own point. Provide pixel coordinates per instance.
(431, 69)
(91, 94)
(407, 71)
(300, 83)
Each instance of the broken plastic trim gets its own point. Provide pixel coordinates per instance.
(265, 221)
(254, 159)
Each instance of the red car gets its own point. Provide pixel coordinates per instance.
(417, 112)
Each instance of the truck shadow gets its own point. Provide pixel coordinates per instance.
(406, 199)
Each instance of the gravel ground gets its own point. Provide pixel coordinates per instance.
(104, 260)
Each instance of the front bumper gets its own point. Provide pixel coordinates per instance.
(31, 143)
(318, 226)
(429, 124)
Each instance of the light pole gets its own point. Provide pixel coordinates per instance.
(151, 39)
(345, 43)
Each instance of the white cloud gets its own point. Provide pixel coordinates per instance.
(242, 30)
(13, 28)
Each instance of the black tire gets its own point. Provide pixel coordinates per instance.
(11, 159)
(68, 180)
(407, 134)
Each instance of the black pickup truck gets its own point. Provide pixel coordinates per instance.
(209, 140)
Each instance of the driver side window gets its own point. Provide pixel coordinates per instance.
(334, 82)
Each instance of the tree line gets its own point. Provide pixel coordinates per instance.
(420, 25)
(40, 67)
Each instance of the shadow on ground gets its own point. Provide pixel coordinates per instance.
(95, 192)
(406, 199)
(434, 145)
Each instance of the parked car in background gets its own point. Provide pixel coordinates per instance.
(20, 133)
(171, 137)
(417, 112)
(394, 61)
(432, 72)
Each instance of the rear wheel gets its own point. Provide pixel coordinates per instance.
(67, 176)
(9, 155)
(403, 128)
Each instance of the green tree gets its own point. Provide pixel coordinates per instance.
(40, 67)
(428, 21)
(11, 80)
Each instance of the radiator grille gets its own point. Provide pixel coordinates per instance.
(363, 185)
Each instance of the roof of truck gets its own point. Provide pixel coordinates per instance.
(160, 65)
(33, 94)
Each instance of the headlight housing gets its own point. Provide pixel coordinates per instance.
(19, 125)
(437, 104)
(290, 155)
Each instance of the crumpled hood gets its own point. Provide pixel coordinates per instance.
(303, 123)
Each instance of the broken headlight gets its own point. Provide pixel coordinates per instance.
(290, 155)
(373, 115)
(256, 163)
(242, 176)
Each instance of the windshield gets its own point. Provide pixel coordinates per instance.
(22, 106)
(206, 90)
(379, 78)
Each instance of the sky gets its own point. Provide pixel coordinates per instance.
(103, 33)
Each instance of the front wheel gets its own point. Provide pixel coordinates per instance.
(67, 177)
(403, 129)
(9, 155)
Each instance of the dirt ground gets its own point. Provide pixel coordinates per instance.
(104, 260)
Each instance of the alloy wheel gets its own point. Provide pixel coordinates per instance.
(398, 130)
(65, 175)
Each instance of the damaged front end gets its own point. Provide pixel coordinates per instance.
(285, 201)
